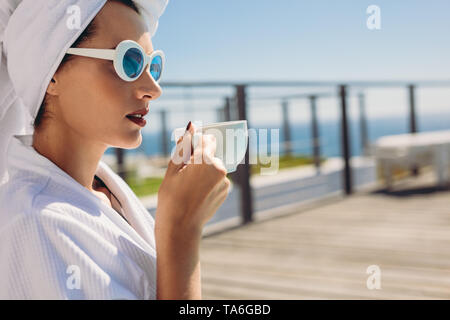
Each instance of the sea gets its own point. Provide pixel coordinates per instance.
(329, 133)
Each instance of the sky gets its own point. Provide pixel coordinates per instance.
(315, 40)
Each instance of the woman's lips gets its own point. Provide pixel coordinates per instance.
(138, 116)
(140, 121)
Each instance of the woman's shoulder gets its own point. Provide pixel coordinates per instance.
(34, 205)
(29, 196)
(20, 191)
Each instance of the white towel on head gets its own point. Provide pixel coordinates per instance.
(34, 37)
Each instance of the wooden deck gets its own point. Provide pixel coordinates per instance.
(324, 252)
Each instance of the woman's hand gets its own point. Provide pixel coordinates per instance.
(194, 187)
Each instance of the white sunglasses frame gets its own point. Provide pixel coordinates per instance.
(117, 54)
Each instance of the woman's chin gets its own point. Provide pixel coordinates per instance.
(132, 141)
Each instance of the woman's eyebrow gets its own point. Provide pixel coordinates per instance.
(118, 44)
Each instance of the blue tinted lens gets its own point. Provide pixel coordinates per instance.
(156, 67)
(133, 61)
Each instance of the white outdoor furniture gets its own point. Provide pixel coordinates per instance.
(414, 149)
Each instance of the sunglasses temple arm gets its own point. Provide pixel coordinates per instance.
(107, 54)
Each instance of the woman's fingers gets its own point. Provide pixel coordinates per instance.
(183, 150)
(203, 152)
(217, 197)
(218, 163)
(209, 145)
(204, 148)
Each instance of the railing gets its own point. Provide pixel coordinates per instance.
(235, 108)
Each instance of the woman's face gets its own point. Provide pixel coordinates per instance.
(89, 99)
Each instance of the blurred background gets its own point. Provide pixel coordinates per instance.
(361, 99)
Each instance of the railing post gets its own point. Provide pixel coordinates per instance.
(363, 125)
(164, 147)
(243, 170)
(412, 120)
(412, 110)
(345, 141)
(315, 140)
(120, 163)
(286, 128)
(227, 109)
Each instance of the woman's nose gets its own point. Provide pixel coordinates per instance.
(147, 87)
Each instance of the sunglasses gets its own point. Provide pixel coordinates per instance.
(129, 58)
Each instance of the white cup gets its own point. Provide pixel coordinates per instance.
(231, 140)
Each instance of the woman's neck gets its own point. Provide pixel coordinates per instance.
(70, 151)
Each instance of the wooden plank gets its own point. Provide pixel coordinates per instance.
(324, 252)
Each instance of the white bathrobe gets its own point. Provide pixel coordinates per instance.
(60, 241)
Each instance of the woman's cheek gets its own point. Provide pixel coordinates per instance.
(108, 93)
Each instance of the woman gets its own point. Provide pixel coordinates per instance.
(70, 227)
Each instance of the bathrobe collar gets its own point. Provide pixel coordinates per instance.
(22, 156)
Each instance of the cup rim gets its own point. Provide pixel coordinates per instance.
(220, 124)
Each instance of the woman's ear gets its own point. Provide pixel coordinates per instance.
(52, 88)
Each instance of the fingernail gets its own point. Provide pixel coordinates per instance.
(188, 126)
